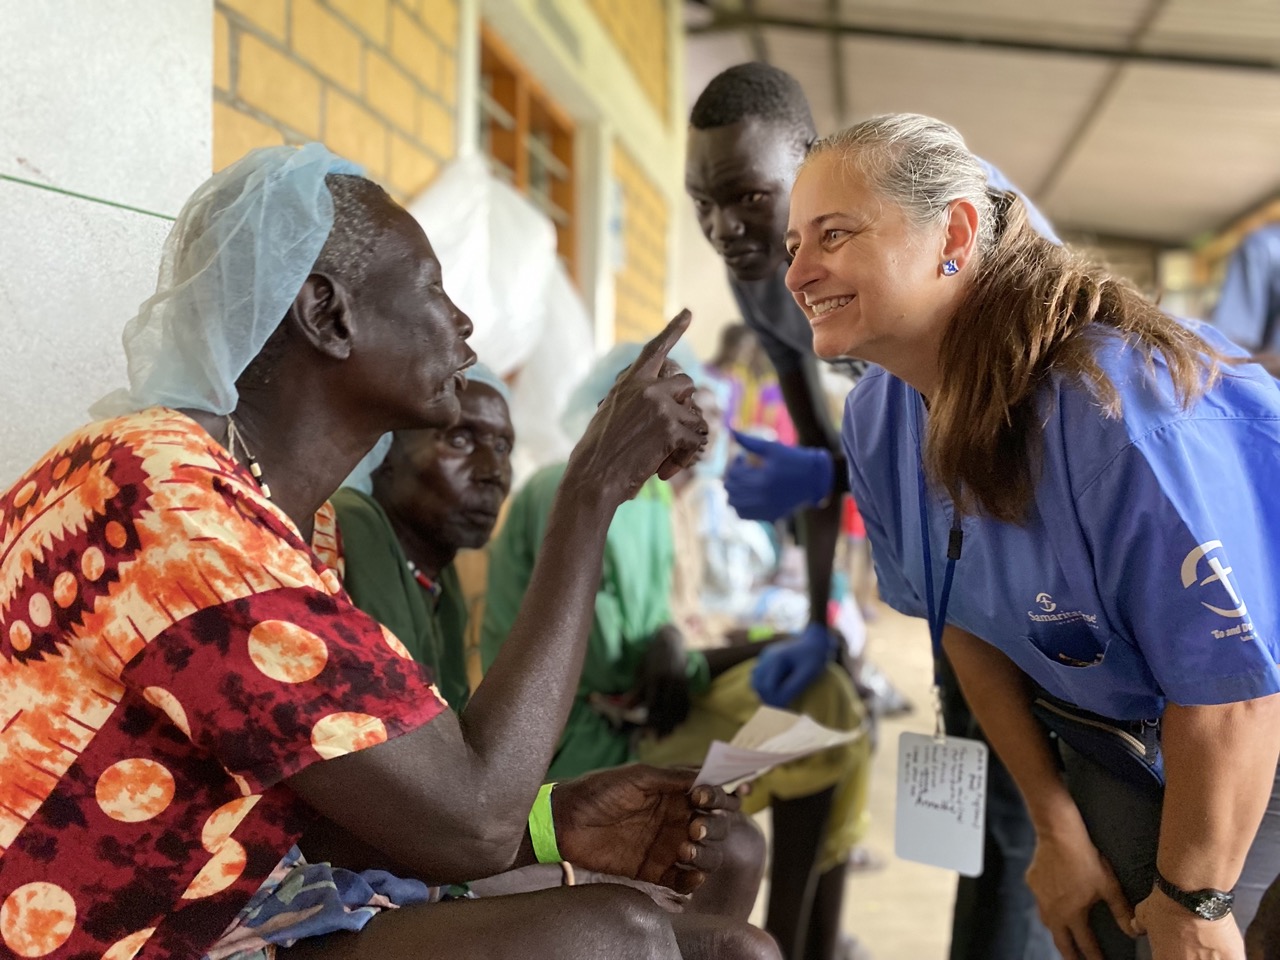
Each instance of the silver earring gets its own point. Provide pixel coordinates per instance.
(950, 268)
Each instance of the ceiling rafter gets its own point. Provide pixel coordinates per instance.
(723, 20)
(1106, 93)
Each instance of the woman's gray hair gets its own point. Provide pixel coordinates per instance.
(919, 163)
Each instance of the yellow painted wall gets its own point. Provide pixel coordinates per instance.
(638, 29)
(616, 68)
(640, 285)
(375, 80)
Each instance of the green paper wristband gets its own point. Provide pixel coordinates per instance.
(542, 828)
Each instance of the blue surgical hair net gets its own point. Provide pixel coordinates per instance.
(235, 259)
(595, 386)
(482, 373)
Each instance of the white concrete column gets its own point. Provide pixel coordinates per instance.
(105, 129)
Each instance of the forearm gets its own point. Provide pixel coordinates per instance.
(327, 842)
(726, 658)
(999, 694)
(1220, 763)
(513, 722)
(802, 392)
(821, 532)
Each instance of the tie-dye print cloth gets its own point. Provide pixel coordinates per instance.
(171, 650)
(301, 899)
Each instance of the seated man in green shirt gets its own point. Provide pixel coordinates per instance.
(644, 695)
(441, 491)
(437, 492)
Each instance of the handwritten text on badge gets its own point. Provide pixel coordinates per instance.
(942, 802)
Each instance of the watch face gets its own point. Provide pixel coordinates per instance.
(1213, 908)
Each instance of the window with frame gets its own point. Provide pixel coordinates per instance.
(528, 140)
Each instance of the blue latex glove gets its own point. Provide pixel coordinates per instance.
(785, 670)
(773, 480)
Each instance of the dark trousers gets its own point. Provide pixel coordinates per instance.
(1124, 823)
(995, 916)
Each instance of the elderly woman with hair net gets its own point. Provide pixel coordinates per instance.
(643, 694)
(187, 687)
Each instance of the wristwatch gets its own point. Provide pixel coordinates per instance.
(1206, 904)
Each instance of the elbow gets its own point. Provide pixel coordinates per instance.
(493, 847)
(483, 843)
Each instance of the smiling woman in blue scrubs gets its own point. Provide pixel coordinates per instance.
(1099, 480)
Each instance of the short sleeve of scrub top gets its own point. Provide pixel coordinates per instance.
(1248, 309)
(1184, 526)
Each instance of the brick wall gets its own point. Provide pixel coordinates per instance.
(639, 29)
(639, 287)
(375, 80)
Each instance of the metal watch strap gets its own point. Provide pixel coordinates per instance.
(1208, 904)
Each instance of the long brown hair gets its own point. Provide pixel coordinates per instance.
(1035, 308)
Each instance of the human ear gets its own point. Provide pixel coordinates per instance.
(960, 241)
(321, 313)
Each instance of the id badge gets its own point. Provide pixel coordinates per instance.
(942, 802)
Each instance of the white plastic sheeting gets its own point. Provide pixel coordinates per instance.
(498, 255)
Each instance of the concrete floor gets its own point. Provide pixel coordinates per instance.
(902, 911)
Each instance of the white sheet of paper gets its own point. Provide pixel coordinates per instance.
(769, 738)
(942, 802)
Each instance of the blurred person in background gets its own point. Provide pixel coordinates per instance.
(1248, 308)
(755, 404)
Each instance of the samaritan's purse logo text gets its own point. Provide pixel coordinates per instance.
(1046, 603)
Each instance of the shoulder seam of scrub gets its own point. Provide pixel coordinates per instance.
(1168, 425)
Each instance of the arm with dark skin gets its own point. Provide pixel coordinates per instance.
(723, 659)
(802, 391)
(591, 813)
(473, 779)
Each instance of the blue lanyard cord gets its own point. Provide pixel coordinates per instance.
(955, 543)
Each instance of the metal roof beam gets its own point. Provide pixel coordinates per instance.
(758, 49)
(727, 20)
(839, 96)
(1106, 93)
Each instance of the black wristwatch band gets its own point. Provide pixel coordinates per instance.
(1206, 904)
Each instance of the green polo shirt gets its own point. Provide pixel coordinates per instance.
(379, 582)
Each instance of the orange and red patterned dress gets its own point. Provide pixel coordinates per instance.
(170, 651)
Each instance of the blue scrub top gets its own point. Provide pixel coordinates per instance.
(1149, 565)
(1248, 309)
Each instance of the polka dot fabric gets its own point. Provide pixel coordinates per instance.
(170, 652)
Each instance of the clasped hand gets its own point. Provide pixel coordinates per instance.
(645, 823)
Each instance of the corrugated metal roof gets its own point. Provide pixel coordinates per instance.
(1128, 147)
